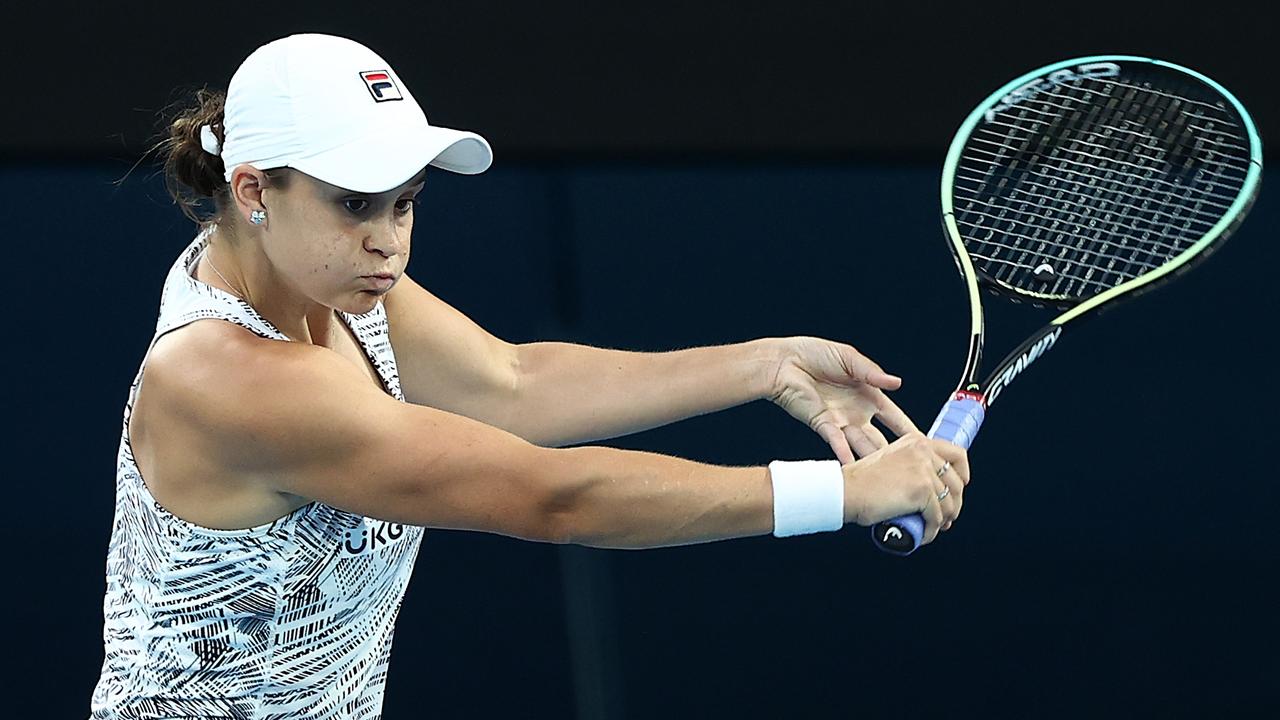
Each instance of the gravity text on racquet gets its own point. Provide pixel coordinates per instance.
(1075, 186)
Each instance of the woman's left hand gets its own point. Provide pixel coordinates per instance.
(836, 390)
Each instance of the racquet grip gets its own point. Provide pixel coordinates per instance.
(958, 424)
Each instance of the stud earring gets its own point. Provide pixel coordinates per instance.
(257, 217)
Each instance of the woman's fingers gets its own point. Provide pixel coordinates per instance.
(893, 417)
(951, 493)
(953, 454)
(866, 439)
(839, 442)
(933, 519)
(862, 368)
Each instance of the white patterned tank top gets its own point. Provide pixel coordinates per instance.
(292, 619)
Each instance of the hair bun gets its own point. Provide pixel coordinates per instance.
(190, 172)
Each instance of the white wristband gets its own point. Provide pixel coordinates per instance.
(808, 496)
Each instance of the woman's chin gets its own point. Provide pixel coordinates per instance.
(360, 302)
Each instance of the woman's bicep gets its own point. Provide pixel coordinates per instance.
(446, 360)
(308, 423)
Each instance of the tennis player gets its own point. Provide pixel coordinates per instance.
(278, 468)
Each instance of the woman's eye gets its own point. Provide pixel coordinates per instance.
(404, 205)
(356, 205)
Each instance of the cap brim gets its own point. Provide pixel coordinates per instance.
(386, 160)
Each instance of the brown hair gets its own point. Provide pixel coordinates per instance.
(191, 174)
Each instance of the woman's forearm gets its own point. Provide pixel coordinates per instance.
(568, 394)
(632, 499)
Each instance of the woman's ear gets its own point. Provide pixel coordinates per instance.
(247, 184)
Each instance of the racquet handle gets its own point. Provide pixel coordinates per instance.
(958, 424)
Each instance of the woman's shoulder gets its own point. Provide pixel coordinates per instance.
(184, 426)
(197, 343)
(207, 363)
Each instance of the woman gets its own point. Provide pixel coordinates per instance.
(278, 467)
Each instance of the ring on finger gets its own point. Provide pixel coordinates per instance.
(946, 465)
(945, 492)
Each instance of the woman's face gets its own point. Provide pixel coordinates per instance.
(328, 242)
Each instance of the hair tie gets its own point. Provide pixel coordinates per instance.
(209, 141)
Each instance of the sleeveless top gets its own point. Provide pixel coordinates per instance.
(291, 619)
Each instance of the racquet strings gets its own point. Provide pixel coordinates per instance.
(1096, 181)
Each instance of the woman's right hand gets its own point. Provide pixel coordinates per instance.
(902, 478)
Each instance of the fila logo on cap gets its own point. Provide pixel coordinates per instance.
(380, 85)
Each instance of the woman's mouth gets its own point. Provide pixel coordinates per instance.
(381, 281)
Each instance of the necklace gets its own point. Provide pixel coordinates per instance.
(208, 255)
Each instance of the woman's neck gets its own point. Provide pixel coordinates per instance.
(241, 268)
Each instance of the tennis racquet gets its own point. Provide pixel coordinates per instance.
(1076, 186)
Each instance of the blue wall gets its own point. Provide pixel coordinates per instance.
(1113, 558)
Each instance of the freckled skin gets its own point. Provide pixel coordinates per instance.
(309, 257)
(315, 235)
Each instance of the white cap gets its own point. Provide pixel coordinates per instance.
(333, 109)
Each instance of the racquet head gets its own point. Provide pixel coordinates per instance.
(1096, 177)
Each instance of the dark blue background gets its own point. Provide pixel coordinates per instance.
(1113, 560)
